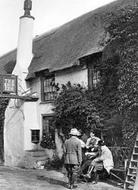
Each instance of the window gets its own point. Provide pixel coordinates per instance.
(48, 133)
(48, 88)
(96, 78)
(93, 62)
(47, 126)
(35, 136)
(93, 77)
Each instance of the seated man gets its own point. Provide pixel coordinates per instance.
(101, 164)
(91, 151)
(89, 156)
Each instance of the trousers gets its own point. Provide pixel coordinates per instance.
(72, 173)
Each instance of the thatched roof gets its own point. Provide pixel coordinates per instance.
(7, 62)
(62, 47)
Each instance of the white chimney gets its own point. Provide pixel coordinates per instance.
(24, 46)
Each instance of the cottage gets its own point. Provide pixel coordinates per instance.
(68, 53)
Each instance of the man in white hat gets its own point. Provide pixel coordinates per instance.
(73, 157)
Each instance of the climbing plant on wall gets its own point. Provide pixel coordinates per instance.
(124, 45)
(117, 92)
(74, 108)
(3, 105)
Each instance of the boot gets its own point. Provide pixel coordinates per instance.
(70, 186)
(96, 178)
(70, 181)
(90, 169)
(87, 175)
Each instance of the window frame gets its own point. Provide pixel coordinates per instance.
(51, 90)
(48, 131)
(92, 72)
(36, 140)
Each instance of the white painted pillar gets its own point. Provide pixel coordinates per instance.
(16, 119)
(136, 182)
(24, 46)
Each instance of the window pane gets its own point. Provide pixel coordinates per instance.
(96, 78)
(35, 136)
(49, 88)
(47, 126)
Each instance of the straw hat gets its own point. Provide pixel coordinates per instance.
(74, 131)
(79, 133)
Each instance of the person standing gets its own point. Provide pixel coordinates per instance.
(72, 157)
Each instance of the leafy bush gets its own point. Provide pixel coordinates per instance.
(47, 142)
(74, 108)
(55, 163)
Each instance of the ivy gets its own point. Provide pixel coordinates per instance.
(124, 45)
(74, 108)
(117, 92)
(3, 105)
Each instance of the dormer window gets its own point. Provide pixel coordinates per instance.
(96, 78)
(93, 63)
(48, 88)
(93, 77)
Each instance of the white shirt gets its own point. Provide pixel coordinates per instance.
(106, 157)
(94, 141)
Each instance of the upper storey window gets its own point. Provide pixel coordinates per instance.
(96, 78)
(48, 88)
(93, 77)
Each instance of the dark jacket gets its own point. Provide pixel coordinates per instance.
(72, 151)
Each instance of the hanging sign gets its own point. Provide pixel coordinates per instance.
(8, 84)
(9, 88)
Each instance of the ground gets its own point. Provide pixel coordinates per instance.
(32, 179)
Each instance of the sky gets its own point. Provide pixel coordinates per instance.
(48, 14)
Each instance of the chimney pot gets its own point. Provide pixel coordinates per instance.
(27, 7)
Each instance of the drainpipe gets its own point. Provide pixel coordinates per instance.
(24, 46)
